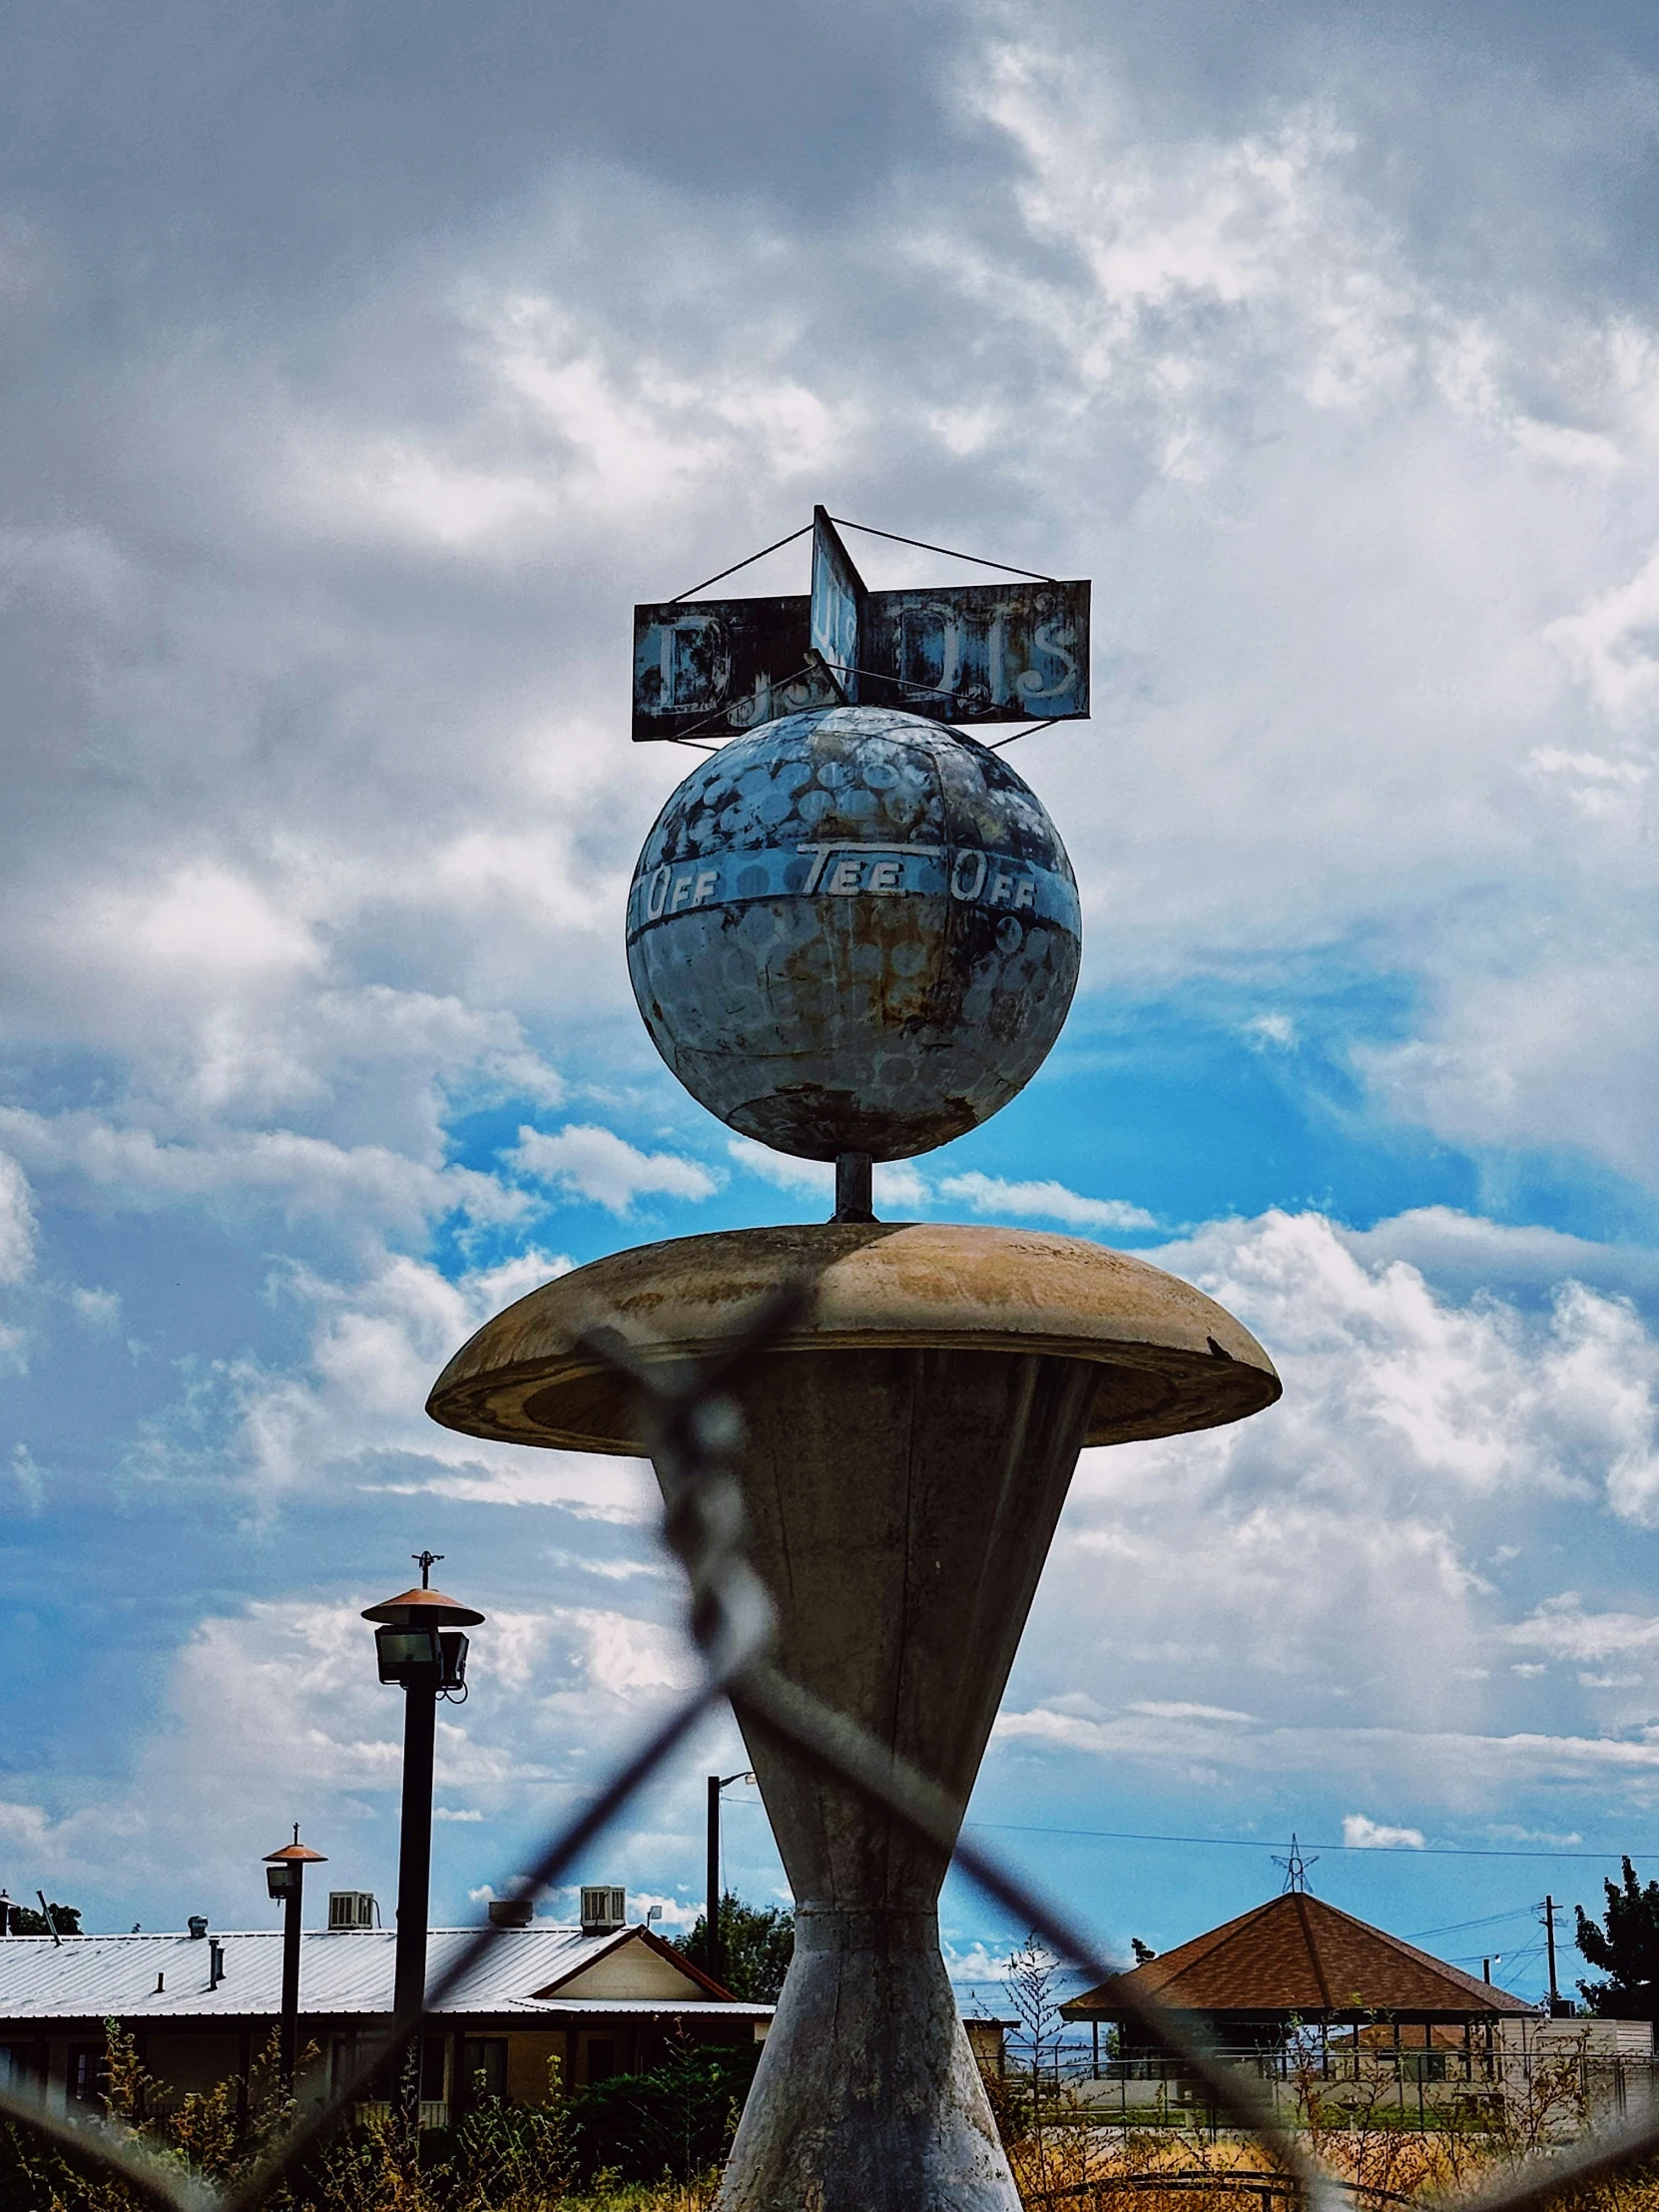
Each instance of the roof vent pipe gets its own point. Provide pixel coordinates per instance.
(216, 1962)
(198, 1925)
(512, 1911)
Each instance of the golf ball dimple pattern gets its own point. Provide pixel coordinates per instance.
(852, 930)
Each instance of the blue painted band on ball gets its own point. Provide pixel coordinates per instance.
(847, 867)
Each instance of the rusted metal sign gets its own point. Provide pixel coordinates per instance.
(959, 652)
(836, 622)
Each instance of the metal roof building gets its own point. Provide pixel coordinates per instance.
(203, 2007)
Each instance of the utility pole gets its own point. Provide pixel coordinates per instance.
(714, 1957)
(712, 1962)
(1549, 1941)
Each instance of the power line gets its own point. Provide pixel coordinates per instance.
(1261, 1843)
(1456, 1928)
(1514, 1960)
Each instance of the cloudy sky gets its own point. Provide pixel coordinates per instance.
(362, 366)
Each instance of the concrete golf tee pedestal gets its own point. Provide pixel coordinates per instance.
(908, 1446)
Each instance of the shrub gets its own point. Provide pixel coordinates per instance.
(677, 2120)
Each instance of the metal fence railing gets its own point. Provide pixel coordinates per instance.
(693, 1427)
(1435, 2088)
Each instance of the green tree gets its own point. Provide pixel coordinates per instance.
(66, 1918)
(757, 1944)
(1626, 1949)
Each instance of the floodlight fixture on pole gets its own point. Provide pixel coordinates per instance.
(420, 1648)
(285, 1878)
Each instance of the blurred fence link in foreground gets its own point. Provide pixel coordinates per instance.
(693, 1427)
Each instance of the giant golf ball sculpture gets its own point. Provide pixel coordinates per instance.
(853, 933)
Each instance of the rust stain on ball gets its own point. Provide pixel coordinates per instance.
(853, 931)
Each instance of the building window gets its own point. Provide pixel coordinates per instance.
(601, 2058)
(89, 2074)
(16, 2066)
(484, 2063)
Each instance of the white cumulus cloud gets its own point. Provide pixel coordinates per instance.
(17, 1222)
(1362, 1834)
(1334, 1566)
(586, 1161)
(1047, 1201)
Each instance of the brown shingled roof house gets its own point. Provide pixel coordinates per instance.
(1299, 1959)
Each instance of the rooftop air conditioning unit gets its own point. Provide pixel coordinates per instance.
(350, 1908)
(604, 1909)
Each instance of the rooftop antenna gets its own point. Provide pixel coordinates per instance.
(1296, 1868)
(426, 1561)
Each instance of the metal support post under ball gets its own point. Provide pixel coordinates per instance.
(284, 1873)
(855, 1187)
(420, 1648)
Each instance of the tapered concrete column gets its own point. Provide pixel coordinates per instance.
(907, 1455)
(867, 2093)
(902, 1504)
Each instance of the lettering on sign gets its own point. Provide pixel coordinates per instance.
(672, 889)
(842, 868)
(958, 652)
(849, 873)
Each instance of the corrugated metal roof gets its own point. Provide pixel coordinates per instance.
(341, 1970)
(732, 2009)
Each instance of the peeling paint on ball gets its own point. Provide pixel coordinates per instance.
(852, 930)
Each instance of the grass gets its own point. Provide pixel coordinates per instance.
(507, 2158)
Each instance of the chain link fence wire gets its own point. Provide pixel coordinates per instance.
(693, 1427)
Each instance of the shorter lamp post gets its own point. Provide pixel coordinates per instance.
(422, 1651)
(285, 1878)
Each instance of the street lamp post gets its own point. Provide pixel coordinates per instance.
(285, 1875)
(420, 1649)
